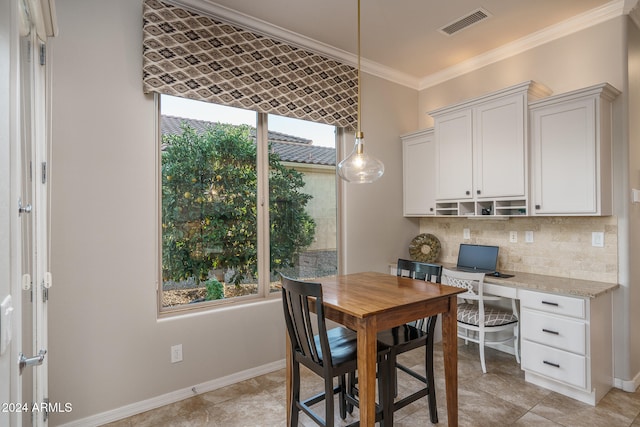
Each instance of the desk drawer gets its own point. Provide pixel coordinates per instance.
(562, 333)
(552, 303)
(556, 364)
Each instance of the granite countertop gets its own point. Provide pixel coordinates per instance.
(552, 284)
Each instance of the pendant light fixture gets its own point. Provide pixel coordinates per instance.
(359, 167)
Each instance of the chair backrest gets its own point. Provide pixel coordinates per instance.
(472, 282)
(427, 272)
(405, 268)
(298, 317)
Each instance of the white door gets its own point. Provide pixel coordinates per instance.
(27, 226)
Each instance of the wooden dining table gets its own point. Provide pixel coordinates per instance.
(371, 302)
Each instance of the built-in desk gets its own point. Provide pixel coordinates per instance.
(566, 331)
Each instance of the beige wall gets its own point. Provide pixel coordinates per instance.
(562, 245)
(632, 161)
(375, 231)
(107, 347)
(591, 56)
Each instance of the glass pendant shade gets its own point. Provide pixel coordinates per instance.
(359, 167)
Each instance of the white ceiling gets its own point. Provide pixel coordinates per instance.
(401, 38)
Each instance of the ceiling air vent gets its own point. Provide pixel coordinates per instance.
(465, 22)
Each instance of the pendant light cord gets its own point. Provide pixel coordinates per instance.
(359, 130)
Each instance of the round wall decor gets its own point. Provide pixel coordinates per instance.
(424, 248)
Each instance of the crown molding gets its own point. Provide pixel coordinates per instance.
(265, 28)
(579, 22)
(585, 20)
(633, 10)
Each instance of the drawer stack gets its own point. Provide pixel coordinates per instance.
(557, 345)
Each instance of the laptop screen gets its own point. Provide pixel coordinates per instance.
(478, 257)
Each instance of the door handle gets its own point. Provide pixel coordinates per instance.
(36, 360)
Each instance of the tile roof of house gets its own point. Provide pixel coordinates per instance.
(290, 148)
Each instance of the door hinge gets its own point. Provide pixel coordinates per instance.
(44, 172)
(43, 54)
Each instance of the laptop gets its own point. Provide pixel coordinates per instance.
(477, 258)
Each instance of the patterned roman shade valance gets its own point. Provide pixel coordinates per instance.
(200, 57)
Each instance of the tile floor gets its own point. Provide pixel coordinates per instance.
(500, 397)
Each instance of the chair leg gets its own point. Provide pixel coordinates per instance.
(516, 342)
(387, 387)
(341, 396)
(481, 349)
(351, 387)
(428, 366)
(328, 401)
(295, 394)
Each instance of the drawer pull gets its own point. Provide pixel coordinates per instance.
(550, 332)
(555, 365)
(555, 304)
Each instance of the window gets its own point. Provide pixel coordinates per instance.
(218, 242)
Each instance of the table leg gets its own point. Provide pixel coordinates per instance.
(367, 359)
(289, 387)
(450, 350)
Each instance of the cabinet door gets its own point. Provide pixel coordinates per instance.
(499, 148)
(418, 159)
(563, 139)
(454, 161)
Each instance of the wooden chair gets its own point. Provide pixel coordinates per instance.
(405, 268)
(330, 353)
(409, 337)
(480, 318)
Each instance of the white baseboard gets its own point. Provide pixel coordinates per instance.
(174, 396)
(627, 385)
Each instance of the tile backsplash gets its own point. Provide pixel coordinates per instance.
(561, 245)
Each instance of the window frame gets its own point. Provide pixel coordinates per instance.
(264, 293)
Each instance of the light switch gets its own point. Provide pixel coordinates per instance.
(466, 234)
(528, 236)
(597, 239)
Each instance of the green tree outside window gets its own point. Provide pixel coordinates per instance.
(209, 209)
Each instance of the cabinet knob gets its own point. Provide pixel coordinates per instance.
(430, 209)
(537, 206)
(478, 192)
(467, 192)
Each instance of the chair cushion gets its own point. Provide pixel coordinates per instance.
(470, 315)
(343, 343)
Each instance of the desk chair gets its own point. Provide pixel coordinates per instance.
(411, 336)
(480, 318)
(330, 353)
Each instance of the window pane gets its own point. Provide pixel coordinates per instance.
(209, 184)
(302, 199)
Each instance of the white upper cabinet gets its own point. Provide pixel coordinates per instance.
(454, 155)
(499, 148)
(482, 153)
(418, 160)
(571, 152)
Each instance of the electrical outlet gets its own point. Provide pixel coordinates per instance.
(466, 234)
(528, 236)
(513, 237)
(597, 239)
(176, 353)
